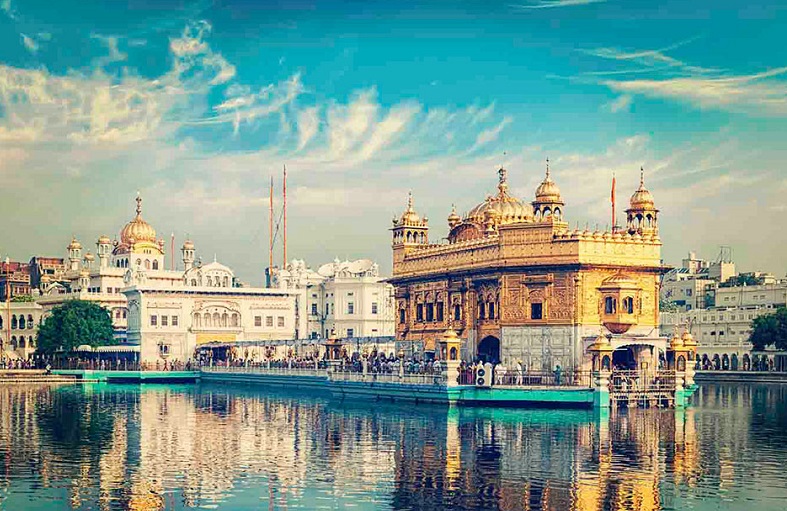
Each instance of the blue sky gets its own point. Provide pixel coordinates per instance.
(197, 104)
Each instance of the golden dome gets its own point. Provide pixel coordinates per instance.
(676, 341)
(410, 217)
(642, 198)
(548, 191)
(138, 230)
(74, 245)
(188, 245)
(508, 209)
(90, 257)
(104, 239)
(688, 339)
(453, 218)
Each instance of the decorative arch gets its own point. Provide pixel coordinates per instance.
(155, 264)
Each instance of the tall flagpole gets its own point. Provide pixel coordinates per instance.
(284, 188)
(612, 198)
(270, 232)
(172, 252)
(8, 311)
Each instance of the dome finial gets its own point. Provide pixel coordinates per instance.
(502, 175)
(641, 178)
(548, 177)
(139, 204)
(410, 200)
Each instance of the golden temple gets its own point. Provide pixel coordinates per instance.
(519, 286)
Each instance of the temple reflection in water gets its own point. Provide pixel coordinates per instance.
(178, 448)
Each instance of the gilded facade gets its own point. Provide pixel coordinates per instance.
(518, 285)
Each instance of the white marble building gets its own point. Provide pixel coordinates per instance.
(347, 297)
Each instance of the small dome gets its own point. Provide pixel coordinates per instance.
(453, 218)
(74, 245)
(90, 257)
(688, 339)
(104, 240)
(676, 341)
(410, 217)
(548, 191)
(188, 245)
(642, 198)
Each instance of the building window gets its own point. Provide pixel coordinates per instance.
(257, 320)
(536, 310)
(481, 310)
(402, 316)
(350, 308)
(491, 310)
(374, 307)
(280, 321)
(314, 309)
(628, 305)
(153, 320)
(429, 312)
(419, 312)
(164, 321)
(610, 305)
(326, 309)
(350, 332)
(439, 311)
(457, 313)
(269, 321)
(155, 265)
(174, 321)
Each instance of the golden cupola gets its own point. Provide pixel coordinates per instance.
(410, 228)
(642, 215)
(505, 208)
(138, 230)
(549, 203)
(453, 219)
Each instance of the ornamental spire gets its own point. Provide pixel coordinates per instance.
(642, 178)
(139, 204)
(548, 176)
(502, 175)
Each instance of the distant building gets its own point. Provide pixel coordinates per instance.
(723, 328)
(349, 298)
(14, 280)
(692, 285)
(19, 323)
(45, 271)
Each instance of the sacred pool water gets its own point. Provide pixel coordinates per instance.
(108, 447)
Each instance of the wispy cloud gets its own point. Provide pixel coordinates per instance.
(620, 104)
(762, 93)
(30, 43)
(551, 4)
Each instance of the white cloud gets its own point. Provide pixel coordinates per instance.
(308, 125)
(620, 104)
(490, 135)
(30, 43)
(762, 93)
(552, 4)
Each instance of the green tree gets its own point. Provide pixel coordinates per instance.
(74, 323)
(667, 305)
(770, 330)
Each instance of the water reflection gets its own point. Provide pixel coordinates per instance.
(154, 448)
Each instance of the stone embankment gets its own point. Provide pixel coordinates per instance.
(16, 376)
(740, 377)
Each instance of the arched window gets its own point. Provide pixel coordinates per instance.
(216, 319)
(22, 342)
(197, 320)
(155, 264)
(30, 321)
(491, 310)
(147, 264)
(226, 282)
(235, 320)
(628, 305)
(481, 310)
(610, 305)
(224, 319)
(208, 282)
(13, 322)
(31, 343)
(1, 321)
(557, 213)
(139, 262)
(207, 320)
(13, 342)
(547, 213)
(117, 313)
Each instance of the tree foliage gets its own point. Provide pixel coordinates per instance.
(667, 305)
(74, 323)
(770, 330)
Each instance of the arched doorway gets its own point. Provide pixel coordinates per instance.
(489, 349)
(623, 359)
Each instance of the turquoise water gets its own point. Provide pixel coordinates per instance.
(125, 447)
